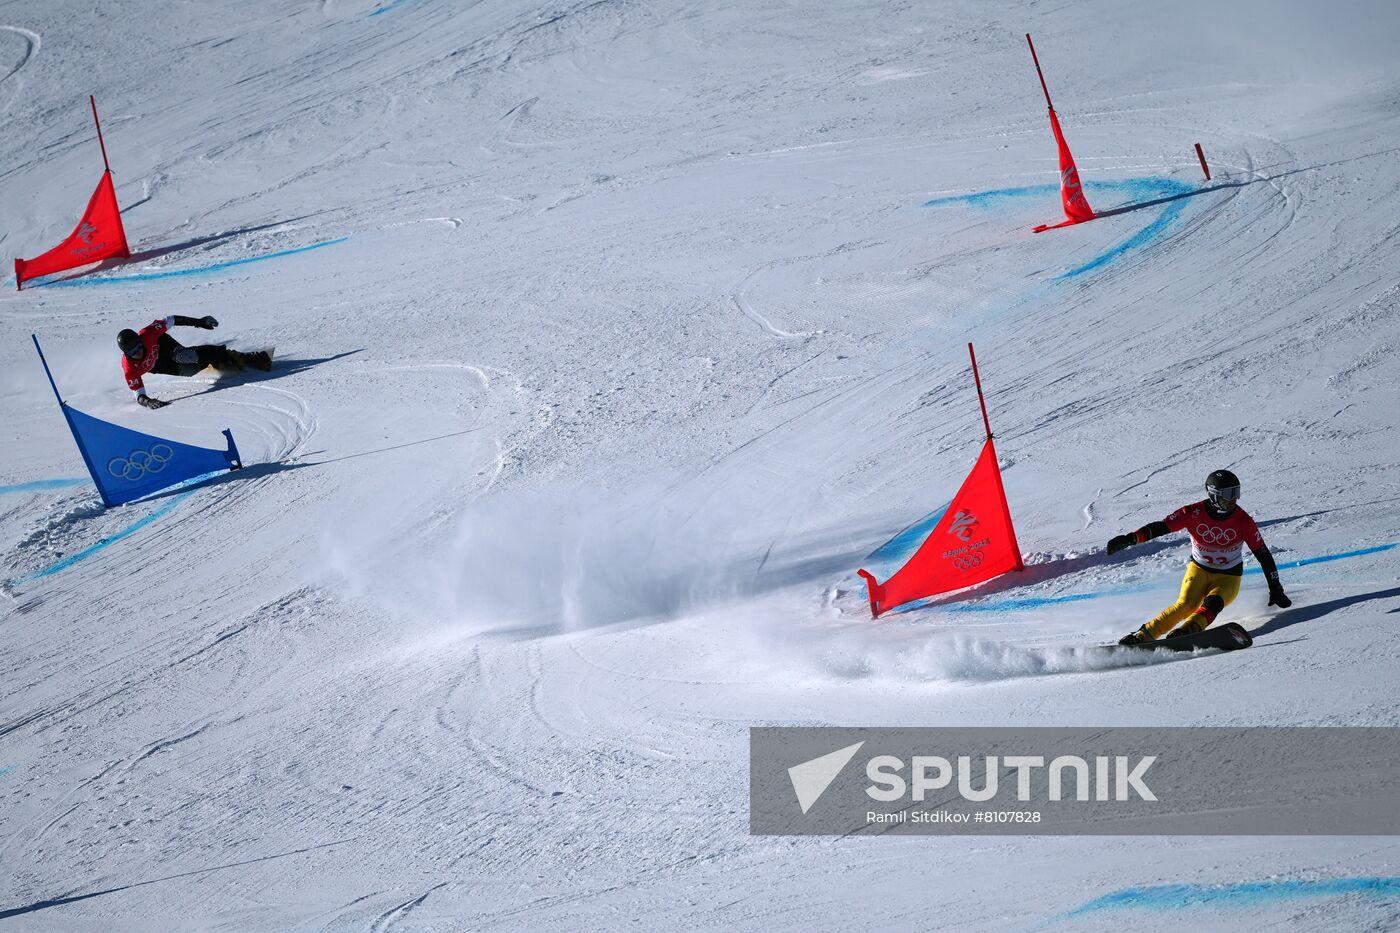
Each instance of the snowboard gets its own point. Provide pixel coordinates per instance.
(1228, 637)
(242, 362)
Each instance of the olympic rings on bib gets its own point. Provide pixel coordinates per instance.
(1210, 534)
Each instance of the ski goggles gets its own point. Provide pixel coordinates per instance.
(136, 352)
(1223, 493)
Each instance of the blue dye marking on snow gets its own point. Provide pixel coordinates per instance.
(174, 273)
(1134, 190)
(1036, 602)
(129, 530)
(1170, 897)
(1307, 561)
(987, 198)
(106, 542)
(1039, 602)
(904, 544)
(7, 770)
(1171, 211)
(44, 485)
(385, 9)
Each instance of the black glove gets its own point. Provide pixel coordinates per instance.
(208, 323)
(145, 401)
(1278, 598)
(1119, 542)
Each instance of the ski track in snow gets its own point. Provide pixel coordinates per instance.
(1089, 510)
(748, 311)
(32, 43)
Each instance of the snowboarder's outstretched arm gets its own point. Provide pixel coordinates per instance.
(179, 320)
(1174, 522)
(1266, 563)
(1145, 533)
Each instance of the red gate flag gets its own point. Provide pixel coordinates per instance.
(99, 235)
(973, 542)
(1077, 208)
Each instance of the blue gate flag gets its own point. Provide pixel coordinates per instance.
(126, 464)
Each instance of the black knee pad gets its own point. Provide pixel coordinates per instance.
(1213, 604)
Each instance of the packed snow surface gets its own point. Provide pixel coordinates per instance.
(612, 337)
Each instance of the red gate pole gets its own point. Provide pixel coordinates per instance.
(105, 164)
(1202, 156)
(1038, 72)
(980, 400)
(1001, 490)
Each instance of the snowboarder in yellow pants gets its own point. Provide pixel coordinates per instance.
(1200, 587)
(1219, 531)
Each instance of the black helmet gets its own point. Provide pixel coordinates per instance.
(1223, 488)
(129, 340)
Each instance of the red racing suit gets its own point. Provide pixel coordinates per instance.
(150, 337)
(1217, 544)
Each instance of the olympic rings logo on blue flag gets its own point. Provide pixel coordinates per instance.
(139, 463)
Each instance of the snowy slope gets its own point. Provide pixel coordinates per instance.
(613, 337)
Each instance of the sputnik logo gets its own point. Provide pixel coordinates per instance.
(811, 778)
(962, 525)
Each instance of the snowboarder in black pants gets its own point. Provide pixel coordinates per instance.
(154, 351)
